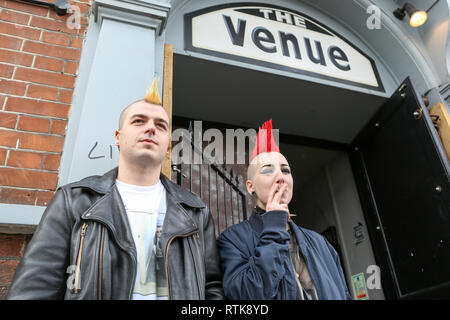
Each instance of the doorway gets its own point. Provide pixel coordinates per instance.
(317, 124)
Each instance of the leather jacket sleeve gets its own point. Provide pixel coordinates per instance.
(41, 273)
(258, 274)
(213, 287)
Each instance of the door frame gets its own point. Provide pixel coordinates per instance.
(374, 226)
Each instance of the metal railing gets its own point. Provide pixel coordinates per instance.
(221, 190)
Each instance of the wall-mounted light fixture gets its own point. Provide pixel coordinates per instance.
(416, 17)
(60, 6)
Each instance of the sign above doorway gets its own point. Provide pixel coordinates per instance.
(279, 38)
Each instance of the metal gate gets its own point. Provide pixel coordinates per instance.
(218, 186)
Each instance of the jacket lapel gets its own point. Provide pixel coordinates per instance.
(177, 221)
(110, 211)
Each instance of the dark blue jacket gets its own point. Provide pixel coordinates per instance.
(256, 263)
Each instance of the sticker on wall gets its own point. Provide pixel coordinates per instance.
(279, 38)
(359, 286)
(358, 233)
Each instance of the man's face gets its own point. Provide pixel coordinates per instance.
(144, 135)
(266, 170)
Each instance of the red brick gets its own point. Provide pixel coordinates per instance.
(19, 31)
(12, 87)
(77, 42)
(54, 15)
(51, 50)
(41, 92)
(34, 124)
(3, 153)
(56, 38)
(28, 179)
(10, 42)
(12, 245)
(31, 141)
(71, 67)
(44, 198)
(51, 162)
(18, 196)
(24, 159)
(7, 270)
(24, 7)
(49, 64)
(8, 138)
(85, 9)
(14, 17)
(31, 106)
(65, 96)
(8, 120)
(19, 58)
(79, 21)
(54, 25)
(59, 127)
(43, 143)
(44, 77)
(6, 71)
(48, 24)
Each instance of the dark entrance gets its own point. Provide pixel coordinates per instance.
(403, 179)
(401, 172)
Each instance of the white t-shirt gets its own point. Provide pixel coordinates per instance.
(146, 208)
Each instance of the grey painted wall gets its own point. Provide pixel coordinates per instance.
(435, 36)
(120, 59)
(348, 212)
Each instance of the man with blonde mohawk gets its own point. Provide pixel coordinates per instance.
(268, 256)
(129, 234)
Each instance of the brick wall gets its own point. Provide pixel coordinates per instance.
(39, 58)
(11, 250)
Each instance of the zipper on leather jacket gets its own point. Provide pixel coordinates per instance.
(100, 264)
(80, 252)
(197, 236)
(165, 258)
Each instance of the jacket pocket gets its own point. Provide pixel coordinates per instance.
(77, 286)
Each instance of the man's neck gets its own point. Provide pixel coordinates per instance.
(138, 175)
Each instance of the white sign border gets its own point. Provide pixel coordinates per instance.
(189, 46)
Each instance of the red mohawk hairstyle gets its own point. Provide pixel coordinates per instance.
(264, 140)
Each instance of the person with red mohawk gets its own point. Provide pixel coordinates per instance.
(268, 256)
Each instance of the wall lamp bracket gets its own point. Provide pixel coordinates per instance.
(61, 7)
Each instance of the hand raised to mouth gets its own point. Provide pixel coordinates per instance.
(274, 200)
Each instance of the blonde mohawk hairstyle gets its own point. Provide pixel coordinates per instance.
(152, 95)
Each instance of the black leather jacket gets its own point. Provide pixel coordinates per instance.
(86, 226)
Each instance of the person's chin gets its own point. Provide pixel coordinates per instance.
(148, 156)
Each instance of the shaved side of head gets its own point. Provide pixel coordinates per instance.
(123, 114)
(251, 169)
